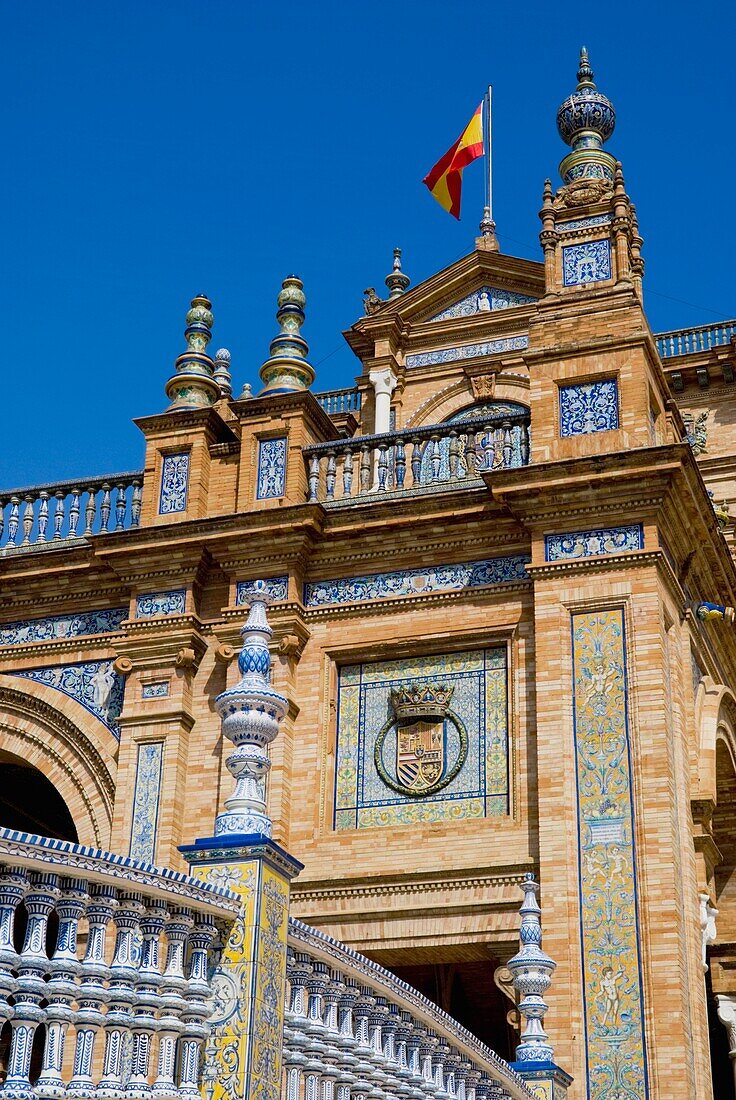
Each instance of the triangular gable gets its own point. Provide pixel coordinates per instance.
(485, 299)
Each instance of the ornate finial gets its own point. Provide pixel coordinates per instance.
(532, 970)
(585, 121)
(487, 225)
(396, 281)
(246, 393)
(250, 712)
(193, 386)
(287, 368)
(222, 372)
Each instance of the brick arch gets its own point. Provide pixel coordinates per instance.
(458, 395)
(67, 744)
(715, 721)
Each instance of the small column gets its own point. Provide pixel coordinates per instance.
(250, 979)
(172, 1005)
(384, 382)
(532, 970)
(726, 1003)
(121, 997)
(144, 1024)
(196, 1009)
(13, 885)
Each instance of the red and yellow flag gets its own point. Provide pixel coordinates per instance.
(445, 179)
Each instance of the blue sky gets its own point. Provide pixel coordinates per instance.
(154, 150)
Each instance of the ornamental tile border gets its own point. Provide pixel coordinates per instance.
(602, 540)
(410, 582)
(583, 223)
(467, 351)
(471, 304)
(158, 690)
(277, 589)
(271, 468)
(153, 604)
(588, 407)
(586, 263)
(149, 766)
(174, 483)
(94, 684)
(56, 627)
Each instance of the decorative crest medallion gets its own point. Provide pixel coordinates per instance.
(419, 724)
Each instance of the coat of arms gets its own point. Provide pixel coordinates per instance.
(420, 715)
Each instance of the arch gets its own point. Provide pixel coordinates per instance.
(73, 749)
(441, 406)
(715, 720)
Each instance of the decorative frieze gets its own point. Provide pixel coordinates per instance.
(586, 544)
(586, 263)
(467, 351)
(277, 590)
(94, 684)
(153, 604)
(583, 223)
(174, 483)
(412, 582)
(610, 935)
(483, 300)
(149, 765)
(55, 627)
(271, 468)
(157, 690)
(589, 407)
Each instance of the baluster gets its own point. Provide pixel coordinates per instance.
(13, 885)
(417, 450)
(2, 517)
(135, 505)
(413, 1050)
(177, 929)
(331, 474)
(27, 520)
(525, 444)
(400, 463)
(121, 995)
(333, 992)
(73, 514)
(172, 1005)
(452, 1061)
(471, 1084)
(403, 1032)
(58, 513)
(43, 515)
(347, 472)
(454, 456)
(299, 970)
(382, 466)
(121, 505)
(293, 1061)
(143, 1024)
(365, 467)
(89, 511)
(33, 965)
(105, 508)
(64, 968)
(488, 446)
(313, 477)
(391, 1026)
(506, 449)
(435, 457)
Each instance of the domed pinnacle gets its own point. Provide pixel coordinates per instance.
(287, 368)
(586, 121)
(193, 386)
(396, 281)
(222, 372)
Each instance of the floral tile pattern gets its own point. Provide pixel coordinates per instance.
(585, 544)
(174, 482)
(479, 702)
(153, 604)
(410, 582)
(583, 223)
(158, 690)
(277, 589)
(271, 468)
(589, 407)
(62, 626)
(94, 684)
(586, 263)
(145, 800)
(484, 300)
(467, 351)
(612, 989)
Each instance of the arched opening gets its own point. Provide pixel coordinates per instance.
(721, 957)
(30, 803)
(497, 443)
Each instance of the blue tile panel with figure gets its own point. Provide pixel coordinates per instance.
(271, 468)
(94, 684)
(587, 407)
(377, 781)
(586, 263)
(146, 801)
(586, 544)
(485, 299)
(174, 483)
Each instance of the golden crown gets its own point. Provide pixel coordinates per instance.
(421, 700)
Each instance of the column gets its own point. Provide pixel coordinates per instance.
(13, 885)
(172, 1005)
(144, 1023)
(196, 1009)
(384, 382)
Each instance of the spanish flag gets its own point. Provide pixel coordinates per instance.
(445, 179)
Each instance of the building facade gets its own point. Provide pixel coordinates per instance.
(499, 570)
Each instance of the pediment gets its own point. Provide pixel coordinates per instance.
(486, 299)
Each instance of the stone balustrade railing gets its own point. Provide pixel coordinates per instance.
(354, 1031)
(47, 516)
(111, 999)
(336, 402)
(689, 341)
(414, 458)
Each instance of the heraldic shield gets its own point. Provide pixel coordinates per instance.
(421, 713)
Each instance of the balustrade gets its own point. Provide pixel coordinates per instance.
(336, 402)
(50, 516)
(419, 458)
(690, 341)
(49, 993)
(353, 1031)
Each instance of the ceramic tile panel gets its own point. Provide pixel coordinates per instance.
(146, 797)
(601, 540)
(586, 263)
(174, 483)
(589, 407)
(53, 627)
(271, 468)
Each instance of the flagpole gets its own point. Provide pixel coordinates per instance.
(487, 225)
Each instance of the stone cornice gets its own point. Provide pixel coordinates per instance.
(270, 406)
(188, 420)
(306, 893)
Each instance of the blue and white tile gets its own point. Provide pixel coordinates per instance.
(486, 299)
(277, 590)
(159, 689)
(54, 627)
(174, 483)
(467, 351)
(588, 407)
(271, 468)
(586, 263)
(586, 544)
(153, 604)
(94, 684)
(146, 801)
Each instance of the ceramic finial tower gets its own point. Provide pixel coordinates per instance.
(193, 386)
(287, 369)
(396, 281)
(585, 121)
(250, 712)
(222, 372)
(532, 970)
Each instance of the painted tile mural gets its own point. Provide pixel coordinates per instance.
(62, 626)
(271, 468)
(587, 544)
(94, 684)
(445, 760)
(612, 987)
(174, 481)
(145, 800)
